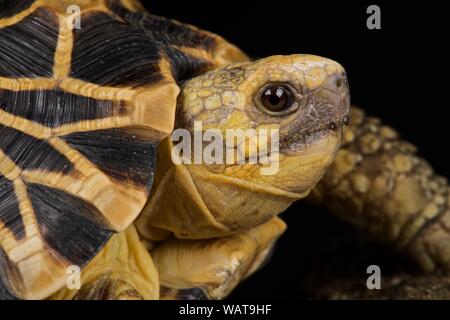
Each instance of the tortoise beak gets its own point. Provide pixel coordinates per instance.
(325, 112)
(333, 99)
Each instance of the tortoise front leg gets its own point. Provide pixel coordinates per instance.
(380, 184)
(123, 270)
(211, 269)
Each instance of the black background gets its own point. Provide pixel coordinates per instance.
(399, 73)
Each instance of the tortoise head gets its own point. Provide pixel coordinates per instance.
(256, 136)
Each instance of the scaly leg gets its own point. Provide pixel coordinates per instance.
(380, 184)
(123, 270)
(211, 269)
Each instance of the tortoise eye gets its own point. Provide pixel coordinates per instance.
(277, 98)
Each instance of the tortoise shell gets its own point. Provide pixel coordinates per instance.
(82, 111)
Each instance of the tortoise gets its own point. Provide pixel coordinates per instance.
(90, 92)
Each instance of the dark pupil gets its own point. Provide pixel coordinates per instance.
(275, 98)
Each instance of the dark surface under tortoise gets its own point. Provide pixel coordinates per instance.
(82, 112)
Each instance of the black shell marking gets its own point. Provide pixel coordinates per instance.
(164, 30)
(122, 155)
(10, 8)
(31, 153)
(54, 108)
(27, 48)
(66, 223)
(7, 271)
(122, 58)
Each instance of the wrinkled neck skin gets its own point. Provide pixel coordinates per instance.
(200, 200)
